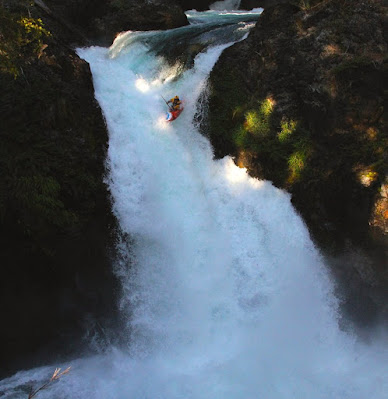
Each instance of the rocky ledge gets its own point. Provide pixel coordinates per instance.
(300, 103)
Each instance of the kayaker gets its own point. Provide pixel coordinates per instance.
(175, 103)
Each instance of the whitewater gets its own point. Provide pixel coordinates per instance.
(224, 294)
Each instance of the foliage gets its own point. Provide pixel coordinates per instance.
(256, 125)
(34, 29)
(20, 38)
(287, 150)
(307, 5)
(257, 121)
(304, 4)
(288, 127)
(231, 108)
(46, 183)
(51, 139)
(40, 195)
(351, 64)
(297, 162)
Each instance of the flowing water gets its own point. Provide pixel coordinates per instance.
(224, 294)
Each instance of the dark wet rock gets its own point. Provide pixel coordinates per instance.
(300, 102)
(199, 5)
(203, 5)
(101, 20)
(250, 4)
(57, 289)
(56, 227)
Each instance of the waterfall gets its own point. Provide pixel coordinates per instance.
(224, 294)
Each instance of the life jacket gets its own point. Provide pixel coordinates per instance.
(175, 102)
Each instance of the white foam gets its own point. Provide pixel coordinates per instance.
(226, 296)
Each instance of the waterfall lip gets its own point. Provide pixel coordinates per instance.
(216, 29)
(196, 17)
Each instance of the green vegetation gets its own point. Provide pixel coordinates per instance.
(48, 182)
(287, 150)
(306, 5)
(354, 63)
(21, 38)
(239, 124)
(287, 130)
(227, 112)
(297, 162)
(258, 122)
(51, 140)
(39, 195)
(255, 127)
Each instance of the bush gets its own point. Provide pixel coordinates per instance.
(20, 38)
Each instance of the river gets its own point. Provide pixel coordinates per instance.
(224, 294)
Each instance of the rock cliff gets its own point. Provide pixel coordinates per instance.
(300, 103)
(250, 4)
(56, 226)
(199, 5)
(99, 21)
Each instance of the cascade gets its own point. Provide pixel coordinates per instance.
(224, 294)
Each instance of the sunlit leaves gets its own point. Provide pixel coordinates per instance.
(21, 38)
(257, 121)
(288, 127)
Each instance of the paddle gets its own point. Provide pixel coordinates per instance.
(170, 108)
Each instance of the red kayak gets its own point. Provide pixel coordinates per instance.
(172, 115)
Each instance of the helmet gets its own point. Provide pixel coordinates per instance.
(176, 98)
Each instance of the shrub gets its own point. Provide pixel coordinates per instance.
(287, 129)
(20, 38)
(257, 122)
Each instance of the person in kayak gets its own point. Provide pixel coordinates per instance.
(175, 103)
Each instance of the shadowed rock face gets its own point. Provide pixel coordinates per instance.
(199, 5)
(57, 289)
(300, 102)
(250, 4)
(56, 225)
(101, 20)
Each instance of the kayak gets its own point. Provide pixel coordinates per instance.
(172, 115)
